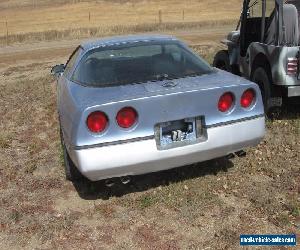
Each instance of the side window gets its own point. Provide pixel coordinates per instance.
(270, 7)
(72, 60)
(255, 8)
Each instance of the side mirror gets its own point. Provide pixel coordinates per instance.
(58, 70)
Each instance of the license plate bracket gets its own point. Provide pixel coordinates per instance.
(179, 133)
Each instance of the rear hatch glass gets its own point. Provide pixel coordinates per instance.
(138, 63)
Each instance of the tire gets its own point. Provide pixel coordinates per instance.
(262, 78)
(221, 61)
(71, 171)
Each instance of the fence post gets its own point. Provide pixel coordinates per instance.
(183, 15)
(6, 25)
(159, 17)
(89, 16)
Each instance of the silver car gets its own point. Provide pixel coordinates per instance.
(137, 104)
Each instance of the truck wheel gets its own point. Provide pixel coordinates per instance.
(262, 78)
(221, 61)
(71, 171)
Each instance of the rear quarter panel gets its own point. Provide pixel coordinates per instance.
(277, 56)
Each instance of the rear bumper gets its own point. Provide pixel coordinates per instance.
(140, 157)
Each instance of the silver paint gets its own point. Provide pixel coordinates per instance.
(143, 157)
(119, 152)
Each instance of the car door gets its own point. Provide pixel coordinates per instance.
(253, 27)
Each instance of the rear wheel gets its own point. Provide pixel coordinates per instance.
(261, 76)
(221, 61)
(71, 171)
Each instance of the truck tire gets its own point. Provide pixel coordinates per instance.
(221, 61)
(262, 78)
(71, 171)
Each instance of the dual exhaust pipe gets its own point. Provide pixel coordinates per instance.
(126, 179)
(111, 182)
(239, 154)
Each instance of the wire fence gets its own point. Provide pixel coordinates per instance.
(85, 22)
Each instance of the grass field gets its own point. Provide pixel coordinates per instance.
(47, 20)
(204, 206)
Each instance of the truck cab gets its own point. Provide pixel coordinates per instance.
(265, 48)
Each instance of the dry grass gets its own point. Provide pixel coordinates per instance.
(81, 33)
(48, 21)
(207, 205)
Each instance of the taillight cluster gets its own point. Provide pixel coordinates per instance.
(227, 100)
(247, 98)
(98, 121)
(126, 117)
(292, 66)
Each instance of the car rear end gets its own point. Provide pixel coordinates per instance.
(156, 126)
(141, 104)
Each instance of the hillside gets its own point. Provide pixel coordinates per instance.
(37, 16)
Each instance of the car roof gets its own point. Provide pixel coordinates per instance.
(116, 40)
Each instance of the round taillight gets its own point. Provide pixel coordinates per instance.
(226, 102)
(97, 122)
(126, 117)
(247, 98)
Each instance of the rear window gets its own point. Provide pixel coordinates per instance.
(138, 63)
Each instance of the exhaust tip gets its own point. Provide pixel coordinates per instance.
(109, 183)
(230, 156)
(125, 180)
(241, 153)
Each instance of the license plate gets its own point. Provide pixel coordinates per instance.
(179, 133)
